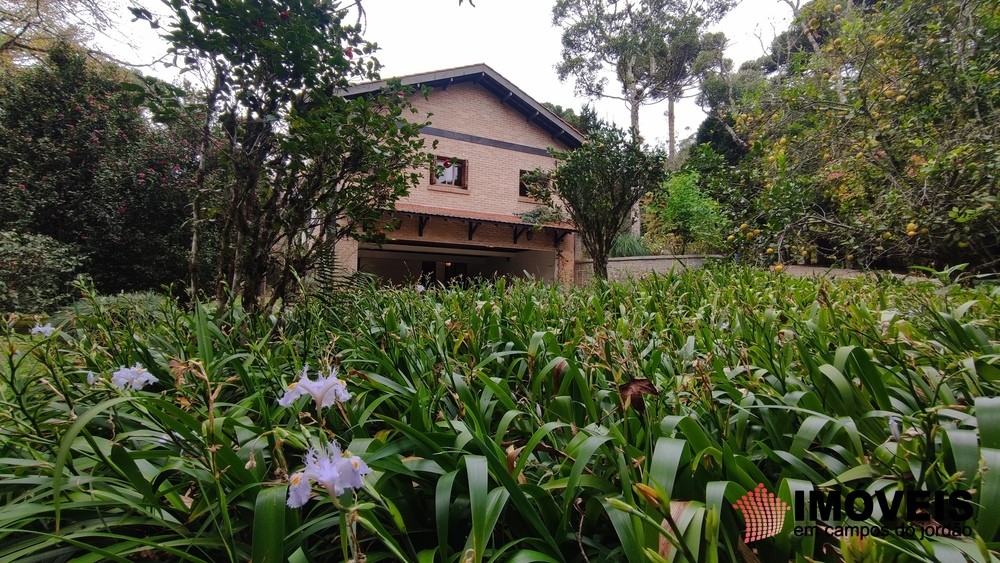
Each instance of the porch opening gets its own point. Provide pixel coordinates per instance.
(402, 263)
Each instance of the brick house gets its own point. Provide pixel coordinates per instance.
(461, 220)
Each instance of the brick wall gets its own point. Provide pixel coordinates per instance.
(493, 173)
(493, 177)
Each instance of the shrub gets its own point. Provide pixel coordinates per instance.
(35, 272)
(627, 244)
(82, 164)
(502, 422)
(688, 213)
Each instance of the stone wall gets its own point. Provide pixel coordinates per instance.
(637, 266)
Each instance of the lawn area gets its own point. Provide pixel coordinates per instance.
(512, 422)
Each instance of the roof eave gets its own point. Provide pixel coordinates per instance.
(493, 82)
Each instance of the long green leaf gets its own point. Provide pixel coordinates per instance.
(269, 525)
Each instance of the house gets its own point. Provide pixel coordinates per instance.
(461, 221)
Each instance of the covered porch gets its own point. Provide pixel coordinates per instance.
(433, 245)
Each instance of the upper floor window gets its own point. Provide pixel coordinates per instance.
(522, 187)
(450, 172)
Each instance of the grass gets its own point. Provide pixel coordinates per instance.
(505, 422)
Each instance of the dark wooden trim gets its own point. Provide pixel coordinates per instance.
(558, 236)
(518, 231)
(421, 223)
(477, 140)
(473, 225)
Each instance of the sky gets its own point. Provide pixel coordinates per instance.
(514, 37)
(517, 39)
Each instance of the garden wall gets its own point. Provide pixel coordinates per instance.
(637, 266)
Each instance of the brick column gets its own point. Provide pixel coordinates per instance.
(566, 261)
(346, 256)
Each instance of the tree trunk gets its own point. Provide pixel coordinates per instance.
(635, 221)
(633, 107)
(199, 184)
(601, 267)
(193, 270)
(671, 134)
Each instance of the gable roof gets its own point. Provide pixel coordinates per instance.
(493, 83)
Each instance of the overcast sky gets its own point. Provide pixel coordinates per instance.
(516, 38)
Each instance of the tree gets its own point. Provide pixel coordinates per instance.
(82, 165)
(307, 165)
(584, 122)
(650, 46)
(690, 215)
(29, 29)
(878, 143)
(599, 184)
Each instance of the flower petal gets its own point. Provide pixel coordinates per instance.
(299, 489)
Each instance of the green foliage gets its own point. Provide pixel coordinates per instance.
(503, 422)
(875, 137)
(35, 272)
(689, 213)
(306, 165)
(79, 163)
(651, 47)
(585, 122)
(539, 216)
(599, 184)
(627, 244)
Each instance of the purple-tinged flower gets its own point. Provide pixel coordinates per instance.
(894, 428)
(325, 390)
(329, 468)
(135, 377)
(420, 288)
(91, 378)
(45, 330)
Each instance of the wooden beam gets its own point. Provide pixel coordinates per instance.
(473, 225)
(518, 231)
(421, 223)
(475, 139)
(558, 236)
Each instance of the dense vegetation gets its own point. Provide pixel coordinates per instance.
(207, 187)
(88, 183)
(867, 136)
(507, 422)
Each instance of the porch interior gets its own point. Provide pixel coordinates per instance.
(401, 262)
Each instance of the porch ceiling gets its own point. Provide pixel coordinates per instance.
(476, 216)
